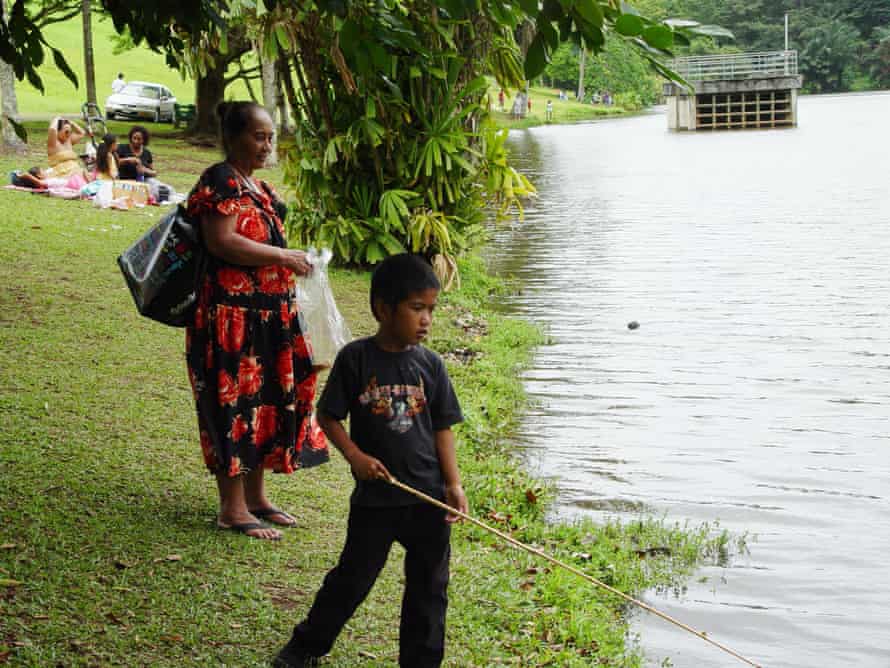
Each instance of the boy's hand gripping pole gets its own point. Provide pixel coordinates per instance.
(568, 567)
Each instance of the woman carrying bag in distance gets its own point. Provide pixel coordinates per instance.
(249, 363)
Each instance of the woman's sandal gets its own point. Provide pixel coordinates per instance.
(244, 527)
(267, 513)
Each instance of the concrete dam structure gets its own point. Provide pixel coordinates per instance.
(734, 91)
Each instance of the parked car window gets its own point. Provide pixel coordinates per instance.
(141, 91)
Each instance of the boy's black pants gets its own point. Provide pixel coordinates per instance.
(423, 532)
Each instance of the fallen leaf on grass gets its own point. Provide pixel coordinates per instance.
(528, 584)
(235, 625)
(530, 496)
(121, 565)
(367, 655)
(173, 637)
(169, 557)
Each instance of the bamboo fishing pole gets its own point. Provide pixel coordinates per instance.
(568, 567)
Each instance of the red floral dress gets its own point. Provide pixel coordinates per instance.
(248, 360)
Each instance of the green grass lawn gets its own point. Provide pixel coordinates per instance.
(108, 551)
(139, 64)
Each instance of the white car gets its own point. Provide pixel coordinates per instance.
(140, 99)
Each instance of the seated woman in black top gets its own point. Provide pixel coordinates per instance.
(134, 160)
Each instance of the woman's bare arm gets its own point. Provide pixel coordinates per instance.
(52, 135)
(225, 243)
(77, 133)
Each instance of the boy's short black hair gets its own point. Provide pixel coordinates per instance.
(398, 276)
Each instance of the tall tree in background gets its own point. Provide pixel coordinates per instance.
(89, 67)
(10, 108)
(270, 96)
(582, 59)
(830, 46)
(208, 56)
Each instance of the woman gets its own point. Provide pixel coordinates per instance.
(106, 162)
(248, 361)
(135, 161)
(60, 140)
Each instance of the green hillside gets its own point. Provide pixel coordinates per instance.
(140, 64)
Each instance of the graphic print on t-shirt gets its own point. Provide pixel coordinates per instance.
(397, 404)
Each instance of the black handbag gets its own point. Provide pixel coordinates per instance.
(164, 267)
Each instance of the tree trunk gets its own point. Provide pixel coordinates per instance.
(290, 94)
(582, 57)
(88, 64)
(270, 100)
(284, 126)
(526, 33)
(209, 92)
(10, 141)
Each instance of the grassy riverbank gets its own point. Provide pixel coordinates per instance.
(564, 111)
(108, 555)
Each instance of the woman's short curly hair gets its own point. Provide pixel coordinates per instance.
(139, 128)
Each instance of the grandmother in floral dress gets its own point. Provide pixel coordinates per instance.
(249, 363)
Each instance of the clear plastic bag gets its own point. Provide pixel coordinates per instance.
(320, 319)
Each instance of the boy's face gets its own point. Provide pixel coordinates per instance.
(409, 322)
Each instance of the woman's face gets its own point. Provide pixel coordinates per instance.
(65, 133)
(137, 140)
(254, 145)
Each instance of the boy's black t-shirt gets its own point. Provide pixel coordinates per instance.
(395, 403)
(128, 171)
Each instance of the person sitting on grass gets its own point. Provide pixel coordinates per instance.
(135, 161)
(106, 161)
(401, 407)
(60, 140)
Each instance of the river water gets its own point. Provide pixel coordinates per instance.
(756, 390)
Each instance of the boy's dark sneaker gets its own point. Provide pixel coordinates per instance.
(291, 656)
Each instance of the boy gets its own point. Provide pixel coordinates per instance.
(401, 407)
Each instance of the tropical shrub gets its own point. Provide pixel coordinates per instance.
(393, 149)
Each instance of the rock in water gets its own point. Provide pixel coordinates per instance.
(633, 324)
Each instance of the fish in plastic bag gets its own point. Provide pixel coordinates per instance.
(320, 319)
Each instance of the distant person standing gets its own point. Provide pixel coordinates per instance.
(549, 110)
(118, 84)
(501, 99)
